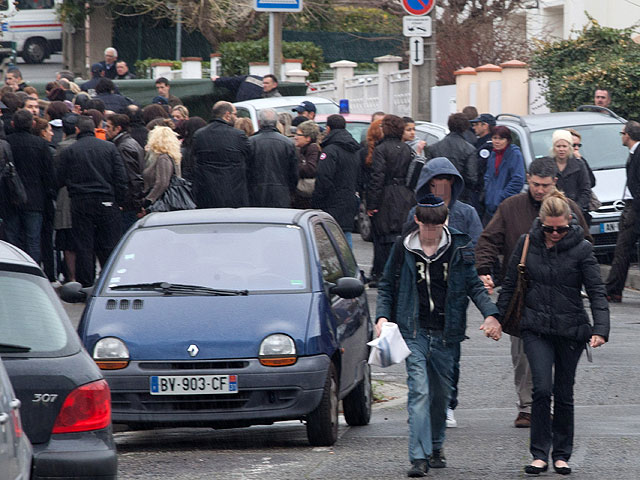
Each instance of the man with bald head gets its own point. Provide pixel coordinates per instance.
(273, 165)
(221, 153)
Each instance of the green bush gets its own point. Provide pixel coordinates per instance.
(600, 57)
(237, 55)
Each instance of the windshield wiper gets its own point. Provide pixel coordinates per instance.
(7, 347)
(178, 288)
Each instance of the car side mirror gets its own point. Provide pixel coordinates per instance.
(74, 292)
(347, 287)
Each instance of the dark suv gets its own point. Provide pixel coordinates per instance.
(601, 147)
(66, 403)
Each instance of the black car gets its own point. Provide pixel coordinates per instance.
(66, 403)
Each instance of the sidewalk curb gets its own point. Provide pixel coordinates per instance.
(633, 277)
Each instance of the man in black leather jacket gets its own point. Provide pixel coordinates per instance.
(273, 165)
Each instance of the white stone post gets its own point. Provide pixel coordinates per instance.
(299, 76)
(387, 65)
(342, 70)
(191, 67)
(161, 69)
(216, 67)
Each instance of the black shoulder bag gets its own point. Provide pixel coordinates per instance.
(513, 315)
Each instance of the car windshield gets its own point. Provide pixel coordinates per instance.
(601, 145)
(321, 108)
(238, 256)
(31, 317)
(358, 130)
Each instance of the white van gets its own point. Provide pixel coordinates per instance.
(33, 25)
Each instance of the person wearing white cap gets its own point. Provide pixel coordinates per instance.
(573, 176)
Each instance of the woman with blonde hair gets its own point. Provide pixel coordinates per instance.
(245, 125)
(179, 112)
(554, 325)
(162, 161)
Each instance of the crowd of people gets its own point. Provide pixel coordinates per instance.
(443, 217)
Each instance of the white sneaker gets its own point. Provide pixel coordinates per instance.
(451, 420)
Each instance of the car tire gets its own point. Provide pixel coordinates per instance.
(364, 223)
(322, 423)
(357, 404)
(34, 51)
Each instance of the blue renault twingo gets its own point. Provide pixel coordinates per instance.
(230, 318)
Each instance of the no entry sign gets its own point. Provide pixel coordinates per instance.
(418, 7)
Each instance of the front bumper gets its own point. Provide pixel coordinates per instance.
(265, 394)
(83, 455)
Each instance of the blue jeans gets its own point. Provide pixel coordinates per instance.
(553, 361)
(430, 378)
(23, 230)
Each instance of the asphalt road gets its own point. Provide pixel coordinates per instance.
(484, 446)
(42, 72)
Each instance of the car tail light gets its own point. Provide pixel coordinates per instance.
(86, 408)
(17, 424)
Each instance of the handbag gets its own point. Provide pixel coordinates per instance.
(413, 172)
(594, 202)
(12, 184)
(305, 187)
(177, 196)
(511, 319)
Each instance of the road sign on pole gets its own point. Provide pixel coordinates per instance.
(279, 5)
(418, 7)
(416, 26)
(416, 47)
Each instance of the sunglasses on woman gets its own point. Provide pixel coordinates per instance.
(550, 229)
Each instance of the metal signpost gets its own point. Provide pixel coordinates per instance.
(422, 49)
(275, 8)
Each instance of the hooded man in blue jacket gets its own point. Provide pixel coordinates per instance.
(424, 290)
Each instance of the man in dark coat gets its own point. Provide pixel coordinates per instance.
(243, 87)
(337, 175)
(221, 153)
(273, 164)
(482, 126)
(630, 218)
(109, 63)
(112, 101)
(97, 72)
(460, 152)
(133, 158)
(93, 172)
(34, 164)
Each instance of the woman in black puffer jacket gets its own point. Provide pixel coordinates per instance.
(388, 197)
(554, 325)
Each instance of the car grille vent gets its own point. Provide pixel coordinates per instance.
(111, 304)
(137, 304)
(221, 365)
(124, 304)
(606, 238)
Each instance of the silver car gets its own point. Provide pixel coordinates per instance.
(602, 149)
(250, 108)
(15, 448)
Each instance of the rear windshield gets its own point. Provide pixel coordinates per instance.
(31, 316)
(254, 257)
(601, 145)
(321, 109)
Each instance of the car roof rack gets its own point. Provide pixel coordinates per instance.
(520, 120)
(597, 109)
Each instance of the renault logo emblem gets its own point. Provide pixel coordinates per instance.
(193, 350)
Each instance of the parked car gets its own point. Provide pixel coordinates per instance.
(603, 150)
(250, 108)
(357, 124)
(66, 410)
(231, 318)
(15, 448)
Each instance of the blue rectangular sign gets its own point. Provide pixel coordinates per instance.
(278, 5)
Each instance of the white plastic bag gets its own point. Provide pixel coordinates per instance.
(389, 347)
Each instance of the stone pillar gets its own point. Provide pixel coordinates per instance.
(191, 67)
(216, 64)
(259, 68)
(486, 74)
(515, 87)
(73, 50)
(299, 76)
(465, 77)
(289, 64)
(342, 70)
(100, 31)
(387, 65)
(161, 69)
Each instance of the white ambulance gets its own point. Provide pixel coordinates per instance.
(34, 27)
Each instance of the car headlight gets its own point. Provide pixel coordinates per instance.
(111, 353)
(277, 350)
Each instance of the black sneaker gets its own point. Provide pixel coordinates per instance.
(437, 460)
(419, 468)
